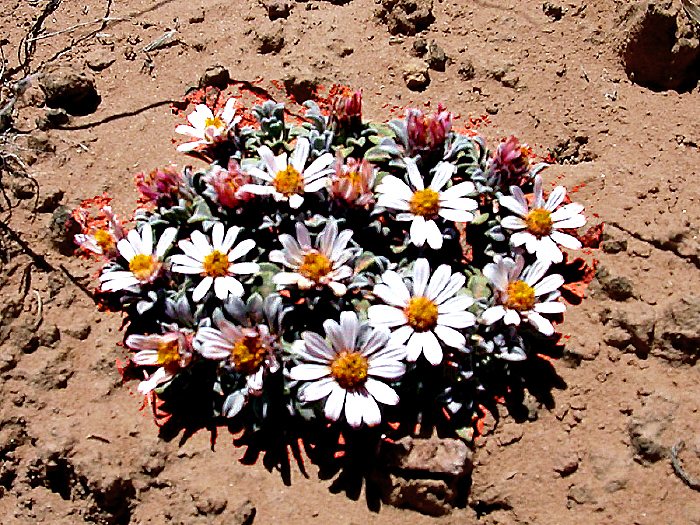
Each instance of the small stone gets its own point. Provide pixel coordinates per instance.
(579, 495)
(466, 70)
(434, 455)
(244, 514)
(53, 118)
(23, 187)
(269, 38)
(62, 229)
(80, 332)
(617, 288)
(70, 89)
(429, 496)
(406, 17)
(436, 57)
(415, 74)
(510, 433)
(48, 335)
(566, 464)
(197, 17)
(511, 80)
(215, 76)
(419, 47)
(614, 246)
(677, 331)
(553, 11)
(211, 505)
(648, 428)
(99, 59)
(278, 9)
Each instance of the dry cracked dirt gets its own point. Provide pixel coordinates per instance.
(609, 89)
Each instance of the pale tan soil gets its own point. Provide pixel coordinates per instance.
(64, 408)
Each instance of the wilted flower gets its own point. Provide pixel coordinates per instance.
(538, 225)
(353, 181)
(160, 186)
(423, 205)
(426, 313)
(103, 241)
(227, 185)
(427, 133)
(349, 371)
(323, 265)
(511, 161)
(346, 112)
(289, 181)
(145, 264)
(519, 293)
(170, 352)
(214, 262)
(206, 127)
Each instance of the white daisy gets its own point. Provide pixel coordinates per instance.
(286, 178)
(428, 314)
(170, 352)
(214, 261)
(519, 293)
(250, 351)
(541, 222)
(206, 127)
(313, 266)
(423, 205)
(104, 240)
(349, 371)
(145, 265)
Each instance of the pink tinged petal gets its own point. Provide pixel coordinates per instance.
(456, 304)
(316, 390)
(165, 241)
(382, 392)
(520, 238)
(394, 281)
(340, 244)
(159, 376)
(317, 167)
(456, 215)
(190, 131)
(338, 289)
(567, 241)
(512, 317)
(535, 272)
(513, 223)
(202, 288)
(328, 235)
(433, 235)
(380, 314)
(145, 358)
(388, 295)
(316, 185)
(443, 173)
(555, 198)
(394, 202)
(377, 339)
(540, 323)
(431, 347)
(437, 283)
(142, 342)
(538, 193)
(514, 205)
(291, 246)
(421, 272)
(88, 242)
(335, 402)
(566, 212)
(241, 249)
(244, 268)
(258, 189)
(316, 349)
(190, 146)
(550, 307)
(395, 187)
(341, 273)
(419, 231)
(456, 282)
(309, 372)
(493, 314)
(400, 335)
(371, 414)
(354, 407)
(456, 319)
(457, 191)
(303, 236)
(414, 175)
(255, 381)
(268, 158)
(230, 238)
(295, 201)
(460, 203)
(216, 351)
(126, 249)
(575, 222)
(260, 174)
(335, 335)
(300, 154)
(547, 250)
(388, 370)
(287, 278)
(201, 243)
(549, 284)
(349, 327)
(450, 337)
(217, 236)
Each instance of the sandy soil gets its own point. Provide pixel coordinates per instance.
(77, 444)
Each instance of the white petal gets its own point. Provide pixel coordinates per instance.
(371, 414)
(456, 215)
(316, 390)
(414, 175)
(300, 154)
(354, 407)
(309, 372)
(566, 212)
(394, 281)
(295, 201)
(433, 235)
(394, 186)
(421, 272)
(493, 314)
(202, 288)
(431, 348)
(335, 402)
(388, 295)
(453, 286)
(513, 205)
(217, 236)
(513, 223)
(126, 249)
(230, 238)
(230, 284)
(241, 249)
(457, 191)
(382, 392)
(244, 268)
(512, 317)
(165, 241)
(547, 250)
(387, 370)
(450, 337)
(550, 307)
(443, 173)
(456, 320)
(555, 198)
(520, 238)
(386, 315)
(419, 231)
(147, 239)
(200, 242)
(438, 281)
(549, 284)
(268, 158)
(574, 222)
(317, 167)
(540, 323)
(535, 272)
(338, 289)
(394, 202)
(567, 241)
(414, 347)
(400, 335)
(315, 349)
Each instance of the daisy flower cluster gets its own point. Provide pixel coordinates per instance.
(336, 270)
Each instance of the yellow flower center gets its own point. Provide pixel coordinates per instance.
(425, 203)
(143, 266)
(349, 369)
(104, 240)
(288, 181)
(539, 222)
(421, 314)
(315, 266)
(168, 352)
(214, 122)
(248, 354)
(354, 178)
(521, 296)
(216, 264)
